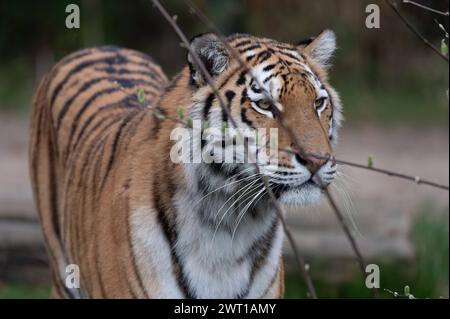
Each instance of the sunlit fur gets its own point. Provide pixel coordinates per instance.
(141, 226)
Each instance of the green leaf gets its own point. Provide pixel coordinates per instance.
(189, 123)
(141, 95)
(444, 47)
(181, 112)
(159, 115)
(205, 125)
(370, 161)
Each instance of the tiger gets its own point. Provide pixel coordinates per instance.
(137, 224)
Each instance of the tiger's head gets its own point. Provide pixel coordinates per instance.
(292, 86)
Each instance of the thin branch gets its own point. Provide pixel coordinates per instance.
(209, 80)
(196, 58)
(361, 261)
(446, 13)
(290, 237)
(416, 179)
(414, 30)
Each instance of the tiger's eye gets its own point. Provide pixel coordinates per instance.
(265, 105)
(319, 103)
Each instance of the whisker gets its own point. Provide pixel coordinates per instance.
(348, 206)
(244, 192)
(226, 185)
(245, 209)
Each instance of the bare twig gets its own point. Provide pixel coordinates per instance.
(361, 261)
(416, 179)
(197, 60)
(290, 237)
(209, 80)
(446, 13)
(414, 30)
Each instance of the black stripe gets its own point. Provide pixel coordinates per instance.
(242, 43)
(274, 277)
(131, 83)
(241, 79)
(269, 67)
(245, 119)
(121, 71)
(76, 70)
(83, 130)
(135, 126)
(208, 104)
(260, 250)
(117, 59)
(113, 151)
(229, 96)
(74, 56)
(86, 105)
(290, 55)
(252, 47)
(124, 83)
(79, 221)
(244, 96)
(263, 56)
(171, 235)
(268, 78)
(284, 47)
(53, 190)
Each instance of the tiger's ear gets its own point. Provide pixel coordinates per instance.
(212, 52)
(320, 48)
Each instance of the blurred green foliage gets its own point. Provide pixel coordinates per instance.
(383, 74)
(23, 291)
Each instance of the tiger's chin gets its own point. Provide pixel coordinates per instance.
(306, 194)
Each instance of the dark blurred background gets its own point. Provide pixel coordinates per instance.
(395, 94)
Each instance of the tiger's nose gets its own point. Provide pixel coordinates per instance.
(313, 162)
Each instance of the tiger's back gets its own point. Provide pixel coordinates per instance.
(82, 110)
